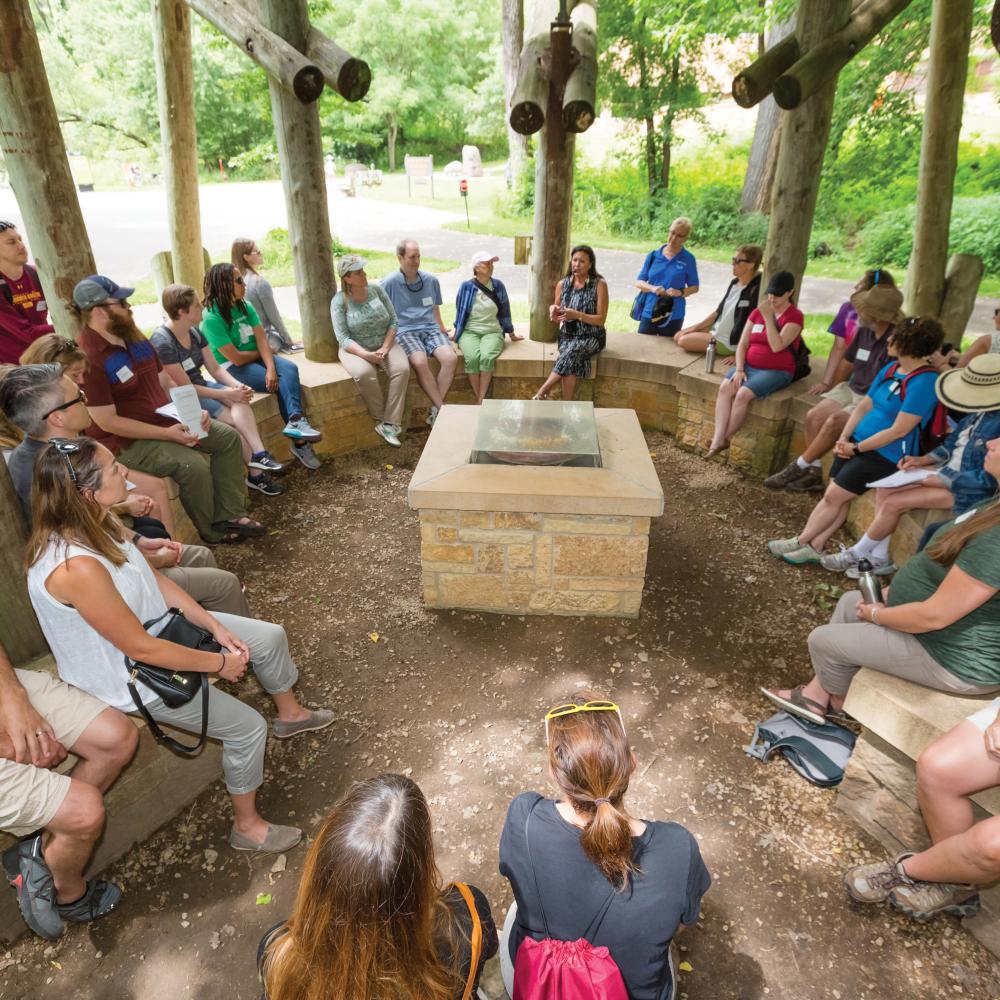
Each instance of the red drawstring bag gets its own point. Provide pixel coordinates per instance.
(565, 970)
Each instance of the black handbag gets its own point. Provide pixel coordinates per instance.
(173, 687)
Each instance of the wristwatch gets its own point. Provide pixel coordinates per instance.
(857, 448)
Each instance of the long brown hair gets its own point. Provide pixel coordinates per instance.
(947, 548)
(49, 348)
(368, 906)
(59, 507)
(241, 247)
(590, 759)
(220, 291)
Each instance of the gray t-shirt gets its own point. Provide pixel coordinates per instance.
(173, 352)
(414, 302)
(21, 466)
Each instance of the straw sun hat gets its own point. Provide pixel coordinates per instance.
(974, 388)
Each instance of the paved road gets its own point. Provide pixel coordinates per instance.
(127, 227)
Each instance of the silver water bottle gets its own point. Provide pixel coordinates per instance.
(871, 589)
(710, 357)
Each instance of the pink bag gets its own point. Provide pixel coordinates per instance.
(565, 970)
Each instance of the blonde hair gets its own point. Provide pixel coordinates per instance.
(684, 223)
(49, 348)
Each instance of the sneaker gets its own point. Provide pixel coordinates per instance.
(388, 433)
(29, 875)
(319, 718)
(779, 546)
(808, 481)
(263, 483)
(305, 454)
(780, 480)
(265, 461)
(880, 567)
(398, 428)
(839, 562)
(278, 840)
(432, 416)
(802, 556)
(98, 901)
(872, 883)
(925, 900)
(292, 348)
(299, 430)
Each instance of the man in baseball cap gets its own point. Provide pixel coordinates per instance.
(96, 290)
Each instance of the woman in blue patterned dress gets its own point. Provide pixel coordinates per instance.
(580, 308)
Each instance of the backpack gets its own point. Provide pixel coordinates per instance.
(936, 429)
(818, 753)
(800, 351)
(565, 970)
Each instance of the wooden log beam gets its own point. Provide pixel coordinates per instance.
(803, 144)
(35, 156)
(531, 95)
(179, 138)
(300, 152)
(824, 61)
(513, 41)
(283, 62)
(951, 33)
(580, 98)
(961, 285)
(752, 85)
(349, 76)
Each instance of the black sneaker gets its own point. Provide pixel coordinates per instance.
(98, 901)
(263, 483)
(265, 461)
(29, 875)
(780, 480)
(808, 481)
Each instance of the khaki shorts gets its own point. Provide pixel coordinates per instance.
(31, 796)
(843, 394)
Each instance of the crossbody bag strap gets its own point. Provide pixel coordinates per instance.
(490, 293)
(159, 735)
(476, 940)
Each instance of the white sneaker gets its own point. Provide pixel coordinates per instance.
(779, 546)
(880, 567)
(432, 416)
(388, 433)
(840, 562)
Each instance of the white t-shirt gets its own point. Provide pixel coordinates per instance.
(85, 658)
(724, 322)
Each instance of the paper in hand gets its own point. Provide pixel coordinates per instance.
(184, 408)
(907, 478)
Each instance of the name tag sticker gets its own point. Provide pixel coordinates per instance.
(964, 517)
(124, 373)
(743, 303)
(41, 305)
(757, 328)
(427, 300)
(863, 354)
(187, 364)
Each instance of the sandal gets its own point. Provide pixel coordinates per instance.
(798, 704)
(229, 538)
(717, 451)
(244, 527)
(540, 395)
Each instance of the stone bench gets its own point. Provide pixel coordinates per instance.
(879, 788)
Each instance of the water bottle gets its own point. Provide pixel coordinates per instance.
(710, 357)
(871, 589)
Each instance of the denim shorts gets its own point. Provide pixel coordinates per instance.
(422, 341)
(763, 381)
(212, 406)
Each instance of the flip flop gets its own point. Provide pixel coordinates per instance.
(798, 704)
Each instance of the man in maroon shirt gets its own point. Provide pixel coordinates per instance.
(24, 316)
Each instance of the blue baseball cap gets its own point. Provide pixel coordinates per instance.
(96, 290)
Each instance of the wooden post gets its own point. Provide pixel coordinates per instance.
(35, 157)
(300, 150)
(754, 83)
(513, 39)
(961, 284)
(530, 98)
(178, 134)
(553, 181)
(19, 630)
(580, 98)
(803, 144)
(350, 77)
(951, 32)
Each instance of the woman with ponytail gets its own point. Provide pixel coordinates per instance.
(599, 873)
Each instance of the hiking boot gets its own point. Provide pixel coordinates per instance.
(880, 567)
(300, 430)
(263, 483)
(810, 481)
(305, 454)
(265, 462)
(780, 480)
(29, 875)
(98, 901)
(803, 555)
(872, 883)
(925, 900)
(388, 433)
(840, 562)
(779, 546)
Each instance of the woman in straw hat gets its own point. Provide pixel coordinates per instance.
(955, 477)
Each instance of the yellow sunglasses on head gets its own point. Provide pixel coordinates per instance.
(590, 706)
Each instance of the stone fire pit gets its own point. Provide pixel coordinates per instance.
(556, 523)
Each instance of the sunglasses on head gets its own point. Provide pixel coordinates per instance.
(4, 226)
(65, 447)
(571, 708)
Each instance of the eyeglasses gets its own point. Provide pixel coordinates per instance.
(65, 447)
(590, 706)
(741, 260)
(65, 406)
(124, 303)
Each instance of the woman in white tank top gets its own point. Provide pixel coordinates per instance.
(92, 590)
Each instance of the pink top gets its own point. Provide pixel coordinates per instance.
(759, 354)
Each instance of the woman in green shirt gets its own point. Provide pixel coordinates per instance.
(940, 626)
(364, 322)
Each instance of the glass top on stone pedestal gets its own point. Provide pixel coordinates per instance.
(536, 432)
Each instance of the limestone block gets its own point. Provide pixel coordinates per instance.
(430, 516)
(625, 584)
(570, 601)
(516, 521)
(448, 567)
(520, 555)
(594, 556)
(629, 604)
(585, 524)
(446, 553)
(491, 535)
(543, 560)
(490, 558)
(640, 525)
(475, 519)
(480, 591)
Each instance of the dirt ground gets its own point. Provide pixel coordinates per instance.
(456, 700)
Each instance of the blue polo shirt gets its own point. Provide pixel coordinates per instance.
(887, 404)
(414, 302)
(679, 272)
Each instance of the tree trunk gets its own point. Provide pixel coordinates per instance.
(651, 154)
(803, 144)
(300, 151)
(642, 59)
(390, 140)
(665, 162)
(35, 156)
(553, 185)
(961, 285)
(668, 123)
(951, 31)
(175, 88)
(513, 39)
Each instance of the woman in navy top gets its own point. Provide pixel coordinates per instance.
(668, 276)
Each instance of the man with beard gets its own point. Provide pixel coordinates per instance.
(125, 385)
(24, 316)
